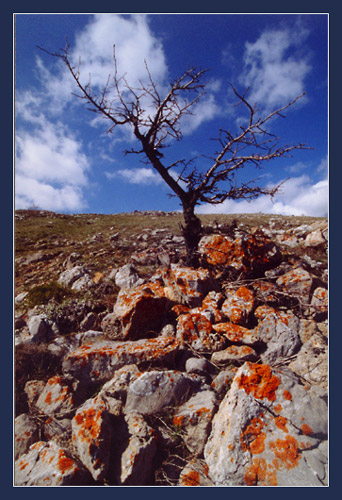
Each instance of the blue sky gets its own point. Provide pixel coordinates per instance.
(65, 160)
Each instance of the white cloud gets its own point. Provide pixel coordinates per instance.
(50, 168)
(275, 67)
(298, 196)
(145, 176)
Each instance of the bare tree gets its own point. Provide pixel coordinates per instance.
(156, 119)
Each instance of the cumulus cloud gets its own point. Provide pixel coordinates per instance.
(275, 66)
(50, 168)
(298, 196)
(145, 176)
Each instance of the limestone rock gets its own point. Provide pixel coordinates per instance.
(311, 362)
(280, 331)
(238, 306)
(186, 285)
(96, 363)
(319, 303)
(297, 283)
(137, 312)
(194, 417)
(234, 353)
(91, 437)
(315, 239)
(26, 432)
(247, 253)
(137, 458)
(127, 277)
(155, 390)
(57, 397)
(47, 464)
(236, 333)
(263, 425)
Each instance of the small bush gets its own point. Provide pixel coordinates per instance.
(42, 294)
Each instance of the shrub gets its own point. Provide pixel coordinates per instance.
(42, 294)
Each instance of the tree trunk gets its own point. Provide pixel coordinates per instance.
(192, 232)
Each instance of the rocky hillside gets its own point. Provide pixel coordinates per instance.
(133, 369)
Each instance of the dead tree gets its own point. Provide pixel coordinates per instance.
(155, 120)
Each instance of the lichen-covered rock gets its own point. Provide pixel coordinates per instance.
(194, 330)
(186, 285)
(195, 473)
(137, 459)
(236, 333)
(238, 306)
(155, 390)
(91, 437)
(319, 303)
(234, 353)
(47, 464)
(247, 253)
(96, 363)
(262, 428)
(194, 417)
(77, 277)
(58, 397)
(311, 362)
(137, 312)
(280, 331)
(26, 432)
(297, 283)
(315, 238)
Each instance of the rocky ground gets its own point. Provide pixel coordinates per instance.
(133, 369)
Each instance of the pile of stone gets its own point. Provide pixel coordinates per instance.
(234, 374)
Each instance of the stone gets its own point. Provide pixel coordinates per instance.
(91, 437)
(238, 306)
(155, 390)
(223, 380)
(247, 253)
(137, 312)
(297, 283)
(200, 366)
(127, 277)
(39, 328)
(71, 275)
(319, 303)
(33, 389)
(117, 386)
(234, 353)
(57, 398)
(96, 363)
(279, 331)
(186, 285)
(47, 464)
(311, 362)
(315, 239)
(137, 458)
(196, 331)
(236, 333)
(263, 425)
(194, 417)
(26, 432)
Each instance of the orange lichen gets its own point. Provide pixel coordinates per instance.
(90, 423)
(287, 395)
(260, 382)
(252, 438)
(281, 423)
(278, 408)
(306, 429)
(192, 478)
(260, 473)
(178, 420)
(64, 462)
(48, 399)
(287, 451)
